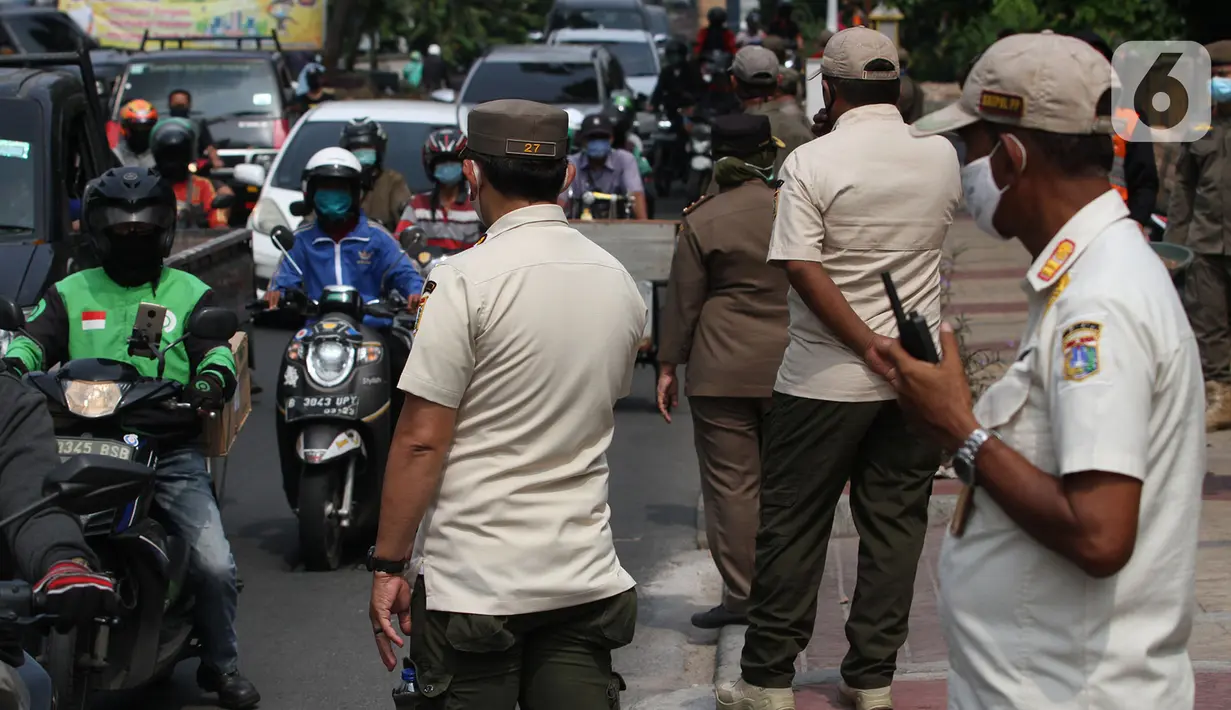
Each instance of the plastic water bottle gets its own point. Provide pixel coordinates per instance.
(406, 694)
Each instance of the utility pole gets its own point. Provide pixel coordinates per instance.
(831, 16)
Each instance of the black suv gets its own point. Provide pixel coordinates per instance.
(51, 144)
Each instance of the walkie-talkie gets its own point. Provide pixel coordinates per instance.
(913, 329)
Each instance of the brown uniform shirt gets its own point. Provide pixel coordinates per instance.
(792, 128)
(387, 198)
(1200, 211)
(725, 314)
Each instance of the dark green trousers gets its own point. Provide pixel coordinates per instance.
(551, 660)
(811, 449)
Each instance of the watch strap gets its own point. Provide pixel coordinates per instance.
(378, 564)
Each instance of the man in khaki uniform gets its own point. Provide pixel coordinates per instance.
(725, 316)
(523, 344)
(788, 95)
(1200, 218)
(754, 74)
(840, 223)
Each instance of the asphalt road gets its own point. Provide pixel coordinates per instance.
(305, 638)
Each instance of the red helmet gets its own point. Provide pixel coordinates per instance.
(443, 143)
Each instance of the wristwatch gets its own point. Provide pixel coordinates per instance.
(376, 564)
(964, 459)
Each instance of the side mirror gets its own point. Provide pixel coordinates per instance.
(412, 238)
(535, 36)
(11, 316)
(444, 96)
(222, 202)
(249, 174)
(284, 237)
(660, 39)
(104, 480)
(213, 324)
(299, 208)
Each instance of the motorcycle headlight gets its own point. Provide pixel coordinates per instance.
(664, 125)
(267, 215)
(330, 362)
(92, 399)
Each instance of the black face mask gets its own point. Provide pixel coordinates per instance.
(138, 141)
(133, 261)
(173, 172)
(181, 111)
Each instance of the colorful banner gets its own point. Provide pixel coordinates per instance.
(300, 24)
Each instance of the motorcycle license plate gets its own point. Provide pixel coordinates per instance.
(70, 447)
(346, 405)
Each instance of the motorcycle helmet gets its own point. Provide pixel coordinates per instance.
(443, 144)
(333, 184)
(716, 16)
(129, 207)
(173, 144)
(314, 75)
(676, 52)
(137, 119)
(367, 140)
(622, 118)
(753, 20)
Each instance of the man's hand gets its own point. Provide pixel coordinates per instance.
(668, 391)
(412, 301)
(390, 597)
(820, 123)
(872, 357)
(205, 392)
(74, 594)
(272, 298)
(937, 394)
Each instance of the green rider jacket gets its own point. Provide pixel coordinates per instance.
(87, 315)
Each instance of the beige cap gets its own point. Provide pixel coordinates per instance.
(756, 66)
(848, 53)
(1045, 81)
(517, 128)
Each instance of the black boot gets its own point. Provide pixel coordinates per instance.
(235, 692)
(717, 618)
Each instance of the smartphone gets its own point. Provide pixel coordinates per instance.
(913, 331)
(149, 322)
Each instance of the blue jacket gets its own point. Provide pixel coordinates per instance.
(368, 258)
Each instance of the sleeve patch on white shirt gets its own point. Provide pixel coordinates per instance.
(1080, 343)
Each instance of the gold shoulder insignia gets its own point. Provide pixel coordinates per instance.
(691, 208)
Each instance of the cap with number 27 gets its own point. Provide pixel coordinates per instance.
(515, 128)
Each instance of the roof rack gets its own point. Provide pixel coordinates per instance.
(79, 59)
(179, 40)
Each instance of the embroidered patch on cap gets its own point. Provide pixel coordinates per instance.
(1059, 255)
(533, 149)
(999, 104)
(1080, 346)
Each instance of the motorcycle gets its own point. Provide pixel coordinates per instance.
(79, 484)
(192, 216)
(667, 151)
(107, 408)
(714, 66)
(590, 205)
(333, 421)
(700, 161)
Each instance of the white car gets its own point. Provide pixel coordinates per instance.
(634, 49)
(407, 124)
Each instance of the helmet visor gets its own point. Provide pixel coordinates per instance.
(120, 222)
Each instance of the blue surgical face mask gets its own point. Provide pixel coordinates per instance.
(447, 173)
(332, 204)
(598, 147)
(1220, 89)
(366, 156)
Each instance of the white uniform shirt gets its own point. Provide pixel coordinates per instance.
(531, 334)
(1107, 379)
(865, 198)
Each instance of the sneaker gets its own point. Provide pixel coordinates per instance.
(717, 618)
(874, 699)
(739, 695)
(235, 692)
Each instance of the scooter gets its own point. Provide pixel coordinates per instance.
(334, 422)
(81, 483)
(107, 408)
(591, 205)
(700, 161)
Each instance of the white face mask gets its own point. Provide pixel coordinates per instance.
(981, 191)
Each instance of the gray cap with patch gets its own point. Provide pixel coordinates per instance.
(756, 66)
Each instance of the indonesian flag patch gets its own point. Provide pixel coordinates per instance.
(93, 320)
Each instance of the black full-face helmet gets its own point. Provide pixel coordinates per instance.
(716, 16)
(367, 140)
(129, 203)
(173, 146)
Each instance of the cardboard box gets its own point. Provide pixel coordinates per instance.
(221, 431)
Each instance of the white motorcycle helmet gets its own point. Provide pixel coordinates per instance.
(333, 163)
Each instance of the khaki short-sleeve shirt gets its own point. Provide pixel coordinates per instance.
(865, 198)
(531, 335)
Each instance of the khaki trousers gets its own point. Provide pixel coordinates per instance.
(728, 433)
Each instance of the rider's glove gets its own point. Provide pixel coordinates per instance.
(205, 392)
(74, 594)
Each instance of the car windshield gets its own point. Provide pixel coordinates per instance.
(636, 58)
(44, 32)
(19, 167)
(403, 154)
(585, 18)
(547, 83)
(219, 88)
